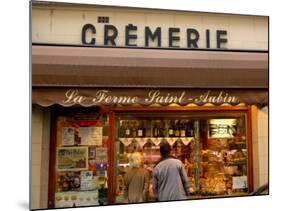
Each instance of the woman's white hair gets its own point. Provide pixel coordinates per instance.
(135, 160)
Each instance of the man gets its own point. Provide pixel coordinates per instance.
(170, 181)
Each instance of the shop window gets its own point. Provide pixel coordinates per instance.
(212, 148)
(81, 166)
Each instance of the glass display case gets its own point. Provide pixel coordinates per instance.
(212, 148)
(81, 160)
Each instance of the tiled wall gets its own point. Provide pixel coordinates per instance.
(260, 145)
(40, 157)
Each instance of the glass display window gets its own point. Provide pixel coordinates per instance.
(223, 156)
(212, 147)
(81, 160)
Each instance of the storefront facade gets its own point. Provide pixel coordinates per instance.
(107, 81)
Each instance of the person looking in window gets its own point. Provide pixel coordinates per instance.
(136, 180)
(170, 181)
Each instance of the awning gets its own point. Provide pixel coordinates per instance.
(164, 97)
(77, 76)
(54, 66)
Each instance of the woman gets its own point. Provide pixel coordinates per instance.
(136, 180)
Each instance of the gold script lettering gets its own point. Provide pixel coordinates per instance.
(216, 99)
(155, 96)
(151, 96)
(102, 96)
(182, 98)
(125, 99)
(73, 97)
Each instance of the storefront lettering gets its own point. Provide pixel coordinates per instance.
(192, 36)
(107, 97)
(222, 97)
(103, 96)
(149, 35)
(155, 96)
(73, 97)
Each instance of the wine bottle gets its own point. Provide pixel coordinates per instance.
(122, 129)
(144, 130)
(182, 128)
(171, 130)
(141, 130)
(164, 129)
(160, 128)
(189, 130)
(155, 130)
(128, 130)
(134, 129)
(177, 128)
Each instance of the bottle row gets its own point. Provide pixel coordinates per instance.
(156, 128)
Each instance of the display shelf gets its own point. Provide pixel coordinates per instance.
(237, 162)
(199, 195)
(238, 145)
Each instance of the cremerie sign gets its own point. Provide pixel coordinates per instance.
(153, 36)
(124, 27)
